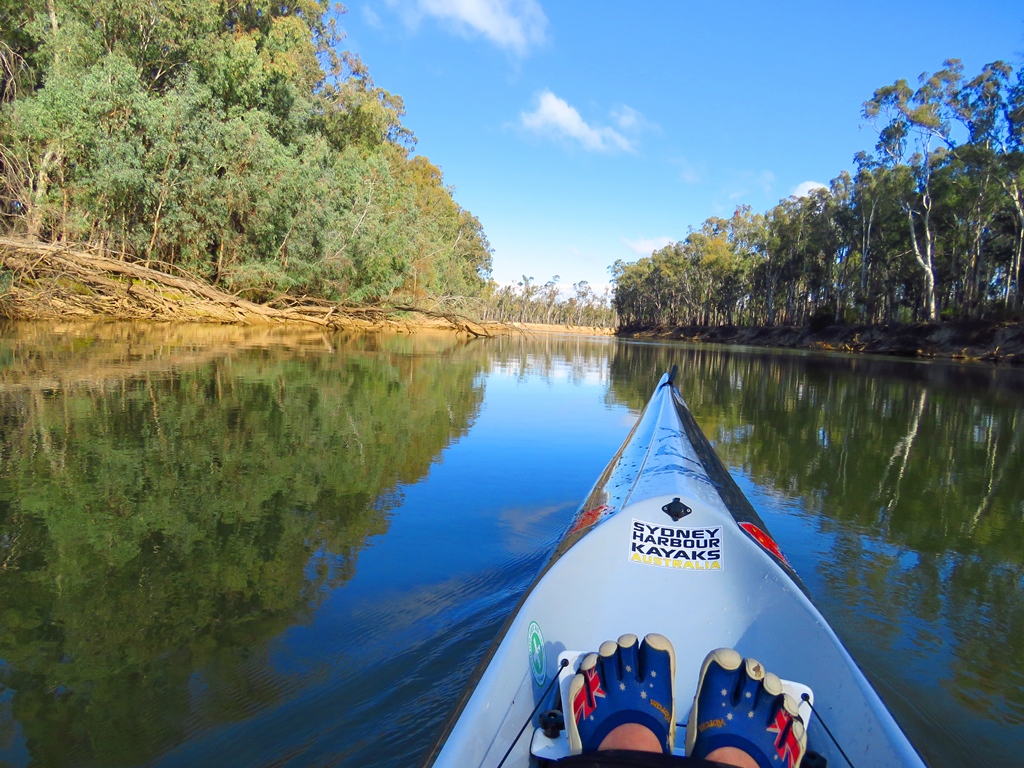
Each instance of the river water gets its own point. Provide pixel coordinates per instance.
(234, 547)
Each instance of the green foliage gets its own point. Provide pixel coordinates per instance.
(6, 281)
(212, 138)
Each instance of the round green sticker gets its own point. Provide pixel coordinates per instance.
(538, 657)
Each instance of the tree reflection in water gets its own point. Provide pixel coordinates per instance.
(908, 476)
(167, 504)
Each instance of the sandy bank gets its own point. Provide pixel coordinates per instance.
(586, 330)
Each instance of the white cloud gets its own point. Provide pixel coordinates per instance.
(689, 173)
(645, 246)
(555, 118)
(631, 120)
(627, 118)
(515, 25)
(804, 188)
(372, 18)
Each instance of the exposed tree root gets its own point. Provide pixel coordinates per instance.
(45, 281)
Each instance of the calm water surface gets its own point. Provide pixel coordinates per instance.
(233, 547)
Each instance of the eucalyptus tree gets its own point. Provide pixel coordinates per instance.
(846, 256)
(914, 121)
(635, 302)
(970, 173)
(987, 109)
(582, 300)
(788, 227)
(823, 254)
(991, 109)
(549, 298)
(710, 258)
(864, 206)
(527, 302)
(668, 285)
(747, 240)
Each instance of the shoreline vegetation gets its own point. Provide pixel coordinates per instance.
(237, 144)
(912, 253)
(975, 342)
(234, 164)
(241, 147)
(52, 282)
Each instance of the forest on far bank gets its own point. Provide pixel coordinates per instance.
(930, 226)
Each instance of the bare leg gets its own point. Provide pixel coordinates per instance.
(732, 756)
(640, 739)
(631, 736)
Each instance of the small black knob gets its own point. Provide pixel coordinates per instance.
(552, 723)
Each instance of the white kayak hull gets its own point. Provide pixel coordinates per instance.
(703, 581)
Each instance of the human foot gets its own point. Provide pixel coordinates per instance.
(625, 682)
(738, 704)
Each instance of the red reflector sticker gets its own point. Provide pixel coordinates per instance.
(765, 541)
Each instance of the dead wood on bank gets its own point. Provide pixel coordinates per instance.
(52, 281)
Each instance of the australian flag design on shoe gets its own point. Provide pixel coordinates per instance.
(739, 704)
(624, 682)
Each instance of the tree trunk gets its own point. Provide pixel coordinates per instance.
(1011, 291)
(865, 250)
(925, 256)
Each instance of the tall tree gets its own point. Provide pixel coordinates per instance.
(914, 120)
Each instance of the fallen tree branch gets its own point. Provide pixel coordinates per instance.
(53, 281)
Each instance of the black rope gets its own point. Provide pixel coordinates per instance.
(543, 697)
(821, 720)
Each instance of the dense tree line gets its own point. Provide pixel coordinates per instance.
(930, 226)
(530, 302)
(234, 140)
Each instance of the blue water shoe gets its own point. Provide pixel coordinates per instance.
(624, 682)
(739, 704)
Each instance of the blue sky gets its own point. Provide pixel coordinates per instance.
(584, 131)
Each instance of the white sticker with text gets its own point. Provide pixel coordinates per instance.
(689, 549)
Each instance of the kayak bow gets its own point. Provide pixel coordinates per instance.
(666, 542)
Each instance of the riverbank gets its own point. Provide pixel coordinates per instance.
(544, 329)
(968, 341)
(43, 281)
